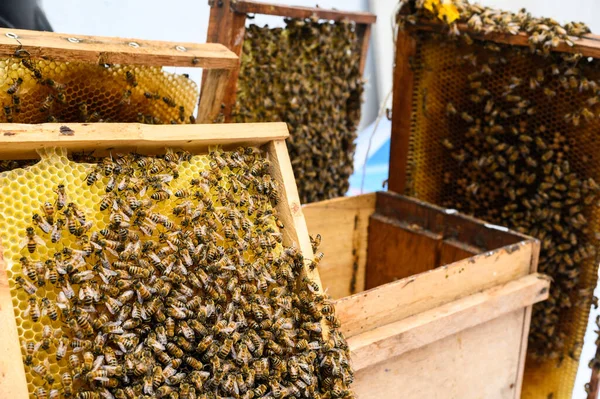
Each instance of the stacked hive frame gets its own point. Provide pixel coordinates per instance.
(216, 59)
(324, 150)
(227, 25)
(23, 142)
(419, 158)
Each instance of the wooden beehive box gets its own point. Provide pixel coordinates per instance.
(433, 303)
(23, 142)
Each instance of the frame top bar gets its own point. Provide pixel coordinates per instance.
(22, 141)
(256, 7)
(588, 45)
(114, 50)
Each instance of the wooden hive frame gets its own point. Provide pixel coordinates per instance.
(404, 107)
(227, 25)
(23, 141)
(406, 47)
(215, 58)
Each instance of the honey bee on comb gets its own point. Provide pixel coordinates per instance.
(322, 151)
(523, 156)
(171, 294)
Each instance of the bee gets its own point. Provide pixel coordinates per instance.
(169, 101)
(42, 369)
(8, 113)
(61, 98)
(41, 393)
(88, 395)
(161, 195)
(107, 201)
(26, 285)
(126, 98)
(61, 348)
(130, 76)
(181, 113)
(67, 384)
(49, 309)
(30, 349)
(42, 223)
(49, 212)
(92, 176)
(61, 196)
(47, 103)
(31, 240)
(15, 86)
(56, 234)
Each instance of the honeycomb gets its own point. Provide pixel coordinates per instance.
(528, 162)
(307, 75)
(23, 190)
(51, 91)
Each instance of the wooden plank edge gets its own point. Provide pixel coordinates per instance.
(290, 212)
(13, 383)
(212, 95)
(523, 351)
(362, 201)
(402, 110)
(404, 298)
(21, 141)
(394, 339)
(114, 50)
(256, 7)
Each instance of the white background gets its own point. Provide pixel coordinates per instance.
(187, 21)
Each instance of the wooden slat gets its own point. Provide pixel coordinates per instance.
(19, 141)
(212, 95)
(343, 226)
(595, 379)
(363, 32)
(114, 50)
(281, 171)
(228, 28)
(13, 383)
(451, 225)
(453, 251)
(395, 251)
(403, 298)
(479, 362)
(290, 211)
(424, 328)
(255, 7)
(406, 49)
(588, 46)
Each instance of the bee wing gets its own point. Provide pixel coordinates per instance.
(112, 251)
(39, 240)
(143, 191)
(23, 242)
(98, 362)
(37, 346)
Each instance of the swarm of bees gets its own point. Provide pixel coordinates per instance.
(186, 292)
(38, 91)
(307, 75)
(515, 131)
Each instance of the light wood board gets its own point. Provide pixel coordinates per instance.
(477, 363)
(114, 50)
(343, 226)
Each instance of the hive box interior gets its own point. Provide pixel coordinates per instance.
(426, 294)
